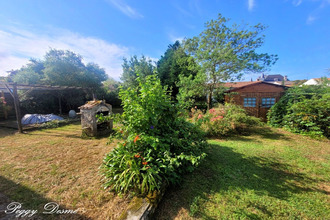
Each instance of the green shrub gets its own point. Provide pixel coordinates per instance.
(224, 119)
(303, 110)
(159, 145)
(309, 116)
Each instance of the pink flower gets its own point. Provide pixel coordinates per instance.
(217, 118)
(212, 111)
(200, 116)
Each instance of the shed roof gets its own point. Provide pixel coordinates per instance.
(94, 103)
(240, 85)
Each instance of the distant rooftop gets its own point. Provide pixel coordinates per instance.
(272, 78)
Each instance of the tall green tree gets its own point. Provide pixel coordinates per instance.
(31, 73)
(172, 64)
(135, 67)
(60, 68)
(66, 68)
(224, 52)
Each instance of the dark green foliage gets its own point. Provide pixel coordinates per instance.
(110, 92)
(303, 110)
(310, 116)
(134, 68)
(66, 68)
(172, 64)
(159, 145)
(59, 68)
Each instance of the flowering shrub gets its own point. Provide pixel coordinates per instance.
(2, 101)
(158, 145)
(224, 119)
(3, 105)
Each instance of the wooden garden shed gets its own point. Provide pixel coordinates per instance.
(255, 97)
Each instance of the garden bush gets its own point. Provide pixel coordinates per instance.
(309, 116)
(158, 145)
(224, 120)
(304, 110)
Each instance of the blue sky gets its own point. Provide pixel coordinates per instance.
(105, 31)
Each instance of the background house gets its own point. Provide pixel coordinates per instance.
(255, 97)
(315, 81)
(272, 78)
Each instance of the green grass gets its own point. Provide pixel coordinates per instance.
(56, 165)
(271, 174)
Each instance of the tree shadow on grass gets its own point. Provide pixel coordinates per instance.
(250, 134)
(30, 200)
(225, 171)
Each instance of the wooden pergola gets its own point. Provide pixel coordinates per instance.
(12, 88)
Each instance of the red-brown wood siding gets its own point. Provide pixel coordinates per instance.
(259, 91)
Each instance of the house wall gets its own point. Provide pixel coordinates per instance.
(257, 91)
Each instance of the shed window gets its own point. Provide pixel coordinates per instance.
(250, 102)
(267, 102)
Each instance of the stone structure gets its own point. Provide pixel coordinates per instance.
(89, 124)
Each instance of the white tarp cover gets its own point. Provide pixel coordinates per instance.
(39, 118)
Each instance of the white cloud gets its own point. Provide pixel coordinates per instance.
(296, 2)
(17, 45)
(125, 8)
(174, 38)
(310, 19)
(251, 4)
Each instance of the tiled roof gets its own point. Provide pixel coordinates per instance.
(238, 84)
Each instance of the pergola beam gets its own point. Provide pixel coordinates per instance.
(13, 87)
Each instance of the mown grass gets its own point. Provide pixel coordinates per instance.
(269, 174)
(56, 165)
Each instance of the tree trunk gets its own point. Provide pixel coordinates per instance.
(209, 100)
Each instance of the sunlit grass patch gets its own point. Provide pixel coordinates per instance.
(269, 173)
(57, 165)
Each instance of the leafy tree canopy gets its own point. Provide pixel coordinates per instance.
(135, 67)
(59, 67)
(172, 64)
(225, 52)
(66, 68)
(63, 68)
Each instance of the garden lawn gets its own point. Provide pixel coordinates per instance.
(56, 165)
(270, 174)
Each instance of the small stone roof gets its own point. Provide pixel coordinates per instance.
(94, 103)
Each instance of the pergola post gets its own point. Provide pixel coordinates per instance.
(4, 110)
(17, 108)
(13, 87)
(16, 104)
(60, 103)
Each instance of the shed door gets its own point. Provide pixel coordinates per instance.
(264, 105)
